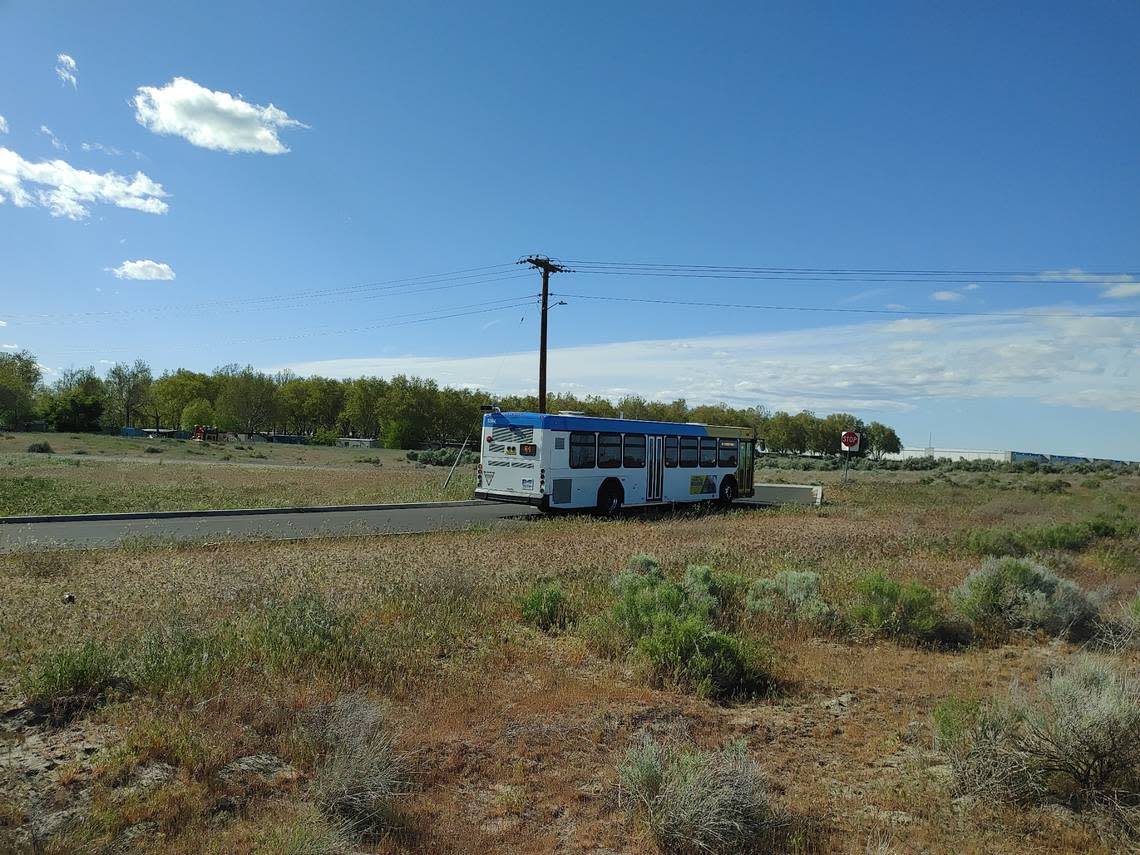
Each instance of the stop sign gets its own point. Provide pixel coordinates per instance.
(849, 440)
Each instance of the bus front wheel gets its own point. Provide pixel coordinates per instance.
(609, 499)
(728, 491)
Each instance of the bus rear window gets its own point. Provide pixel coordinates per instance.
(688, 452)
(583, 450)
(609, 450)
(671, 451)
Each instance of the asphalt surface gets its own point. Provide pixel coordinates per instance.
(246, 526)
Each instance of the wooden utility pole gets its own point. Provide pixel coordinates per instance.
(541, 262)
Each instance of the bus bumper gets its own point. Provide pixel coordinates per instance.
(537, 501)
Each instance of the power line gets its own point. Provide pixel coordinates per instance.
(284, 302)
(844, 310)
(410, 284)
(1032, 275)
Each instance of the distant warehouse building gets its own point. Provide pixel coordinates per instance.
(1001, 456)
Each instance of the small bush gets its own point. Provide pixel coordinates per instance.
(171, 656)
(443, 457)
(791, 595)
(546, 607)
(361, 776)
(1067, 536)
(686, 652)
(698, 802)
(71, 680)
(1015, 593)
(324, 437)
(1077, 743)
(153, 449)
(41, 448)
(308, 834)
(900, 610)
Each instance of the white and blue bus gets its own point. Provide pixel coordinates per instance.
(568, 461)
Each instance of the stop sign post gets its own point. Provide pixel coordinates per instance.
(848, 442)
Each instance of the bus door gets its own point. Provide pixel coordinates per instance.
(746, 467)
(654, 467)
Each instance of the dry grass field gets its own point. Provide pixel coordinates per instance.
(104, 474)
(387, 694)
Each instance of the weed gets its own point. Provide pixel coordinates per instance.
(309, 833)
(177, 656)
(1067, 535)
(790, 595)
(361, 777)
(44, 563)
(698, 801)
(545, 606)
(153, 449)
(71, 680)
(1015, 593)
(40, 448)
(307, 631)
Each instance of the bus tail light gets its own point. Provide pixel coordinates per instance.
(479, 475)
(542, 480)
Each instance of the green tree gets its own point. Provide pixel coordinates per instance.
(197, 412)
(361, 413)
(127, 389)
(248, 400)
(408, 411)
(881, 440)
(75, 402)
(19, 376)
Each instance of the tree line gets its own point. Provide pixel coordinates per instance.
(403, 412)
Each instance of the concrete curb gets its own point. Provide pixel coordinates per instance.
(234, 512)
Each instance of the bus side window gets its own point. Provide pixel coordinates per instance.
(708, 451)
(671, 452)
(583, 450)
(727, 454)
(609, 450)
(688, 452)
(634, 451)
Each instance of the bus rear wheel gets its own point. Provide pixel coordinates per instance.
(728, 491)
(609, 499)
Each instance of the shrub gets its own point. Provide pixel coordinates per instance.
(641, 596)
(443, 457)
(1077, 743)
(361, 777)
(71, 680)
(1068, 536)
(1015, 593)
(546, 607)
(720, 596)
(152, 449)
(791, 595)
(686, 652)
(308, 834)
(899, 610)
(698, 801)
(324, 437)
(41, 448)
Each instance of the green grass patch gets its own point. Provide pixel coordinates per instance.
(547, 608)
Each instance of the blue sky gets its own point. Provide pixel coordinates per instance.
(407, 140)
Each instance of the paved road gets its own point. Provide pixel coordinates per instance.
(400, 520)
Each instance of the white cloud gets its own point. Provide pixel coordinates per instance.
(56, 143)
(1088, 362)
(214, 120)
(1124, 289)
(67, 70)
(946, 296)
(1116, 285)
(143, 269)
(9, 346)
(3, 125)
(106, 149)
(973, 286)
(69, 192)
